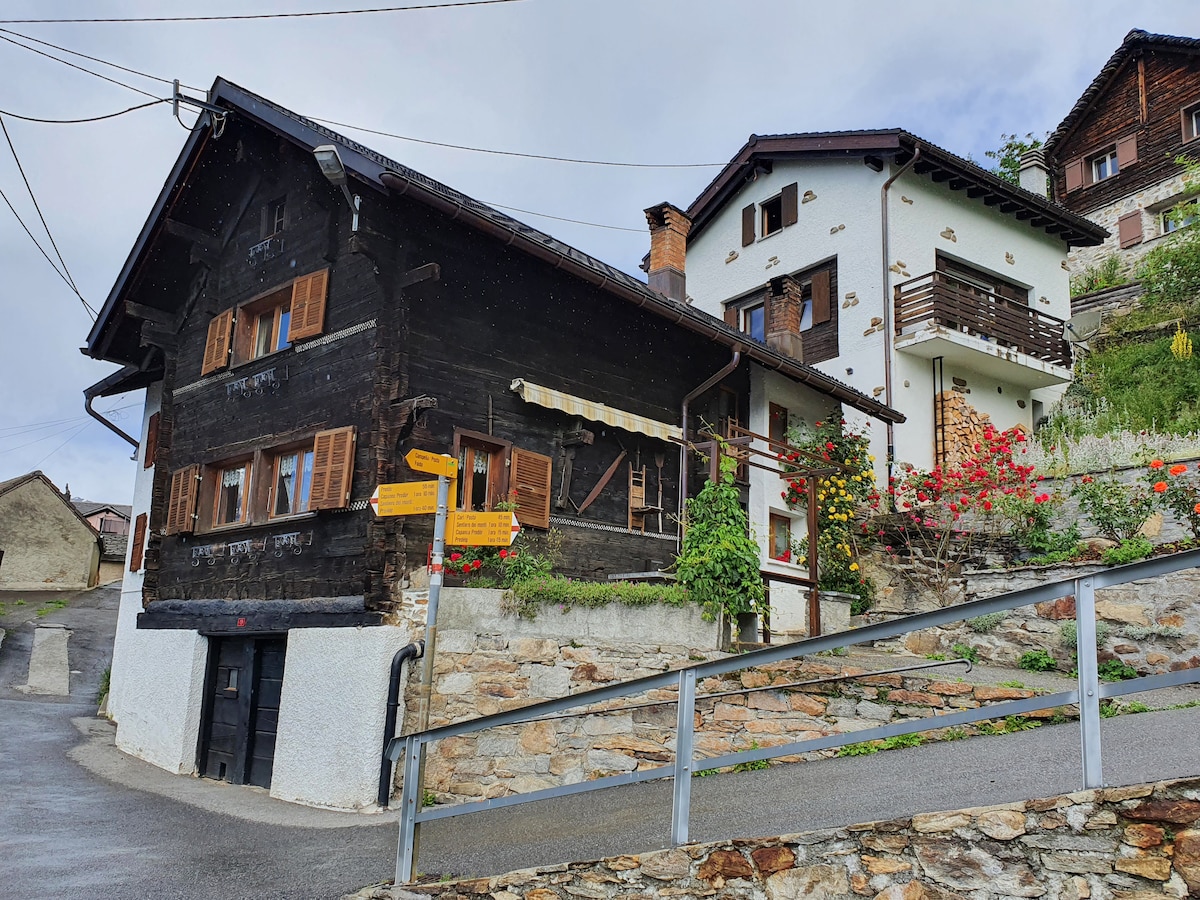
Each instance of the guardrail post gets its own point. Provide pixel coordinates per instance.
(410, 799)
(681, 802)
(1089, 682)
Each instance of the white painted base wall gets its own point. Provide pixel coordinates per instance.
(155, 690)
(332, 713)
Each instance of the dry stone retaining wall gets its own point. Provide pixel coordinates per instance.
(1128, 843)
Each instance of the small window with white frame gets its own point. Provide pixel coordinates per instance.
(232, 494)
(1179, 216)
(1104, 165)
(1191, 122)
(274, 217)
(291, 481)
(754, 321)
(781, 538)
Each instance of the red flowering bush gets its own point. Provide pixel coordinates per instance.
(1179, 492)
(953, 513)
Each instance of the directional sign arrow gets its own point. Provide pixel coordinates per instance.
(432, 463)
(405, 498)
(482, 529)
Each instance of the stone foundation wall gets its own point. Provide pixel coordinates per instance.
(1168, 604)
(488, 661)
(1127, 843)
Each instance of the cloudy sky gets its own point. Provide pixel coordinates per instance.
(665, 82)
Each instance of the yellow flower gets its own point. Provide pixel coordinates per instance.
(871, 458)
(853, 567)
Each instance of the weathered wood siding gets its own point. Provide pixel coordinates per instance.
(1172, 84)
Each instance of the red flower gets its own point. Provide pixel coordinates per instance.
(455, 557)
(1178, 469)
(1160, 487)
(503, 553)
(1156, 464)
(987, 505)
(478, 564)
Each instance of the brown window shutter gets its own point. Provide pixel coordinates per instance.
(530, 481)
(1126, 151)
(731, 316)
(820, 297)
(748, 222)
(181, 510)
(151, 442)
(1074, 174)
(216, 350)
(1129, 229)
(139, 542)
(308, 306)
(333, 467)
(789, 200)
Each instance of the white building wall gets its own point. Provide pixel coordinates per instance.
(157, 677)
(332, 713)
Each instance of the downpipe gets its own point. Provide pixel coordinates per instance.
(415, 650)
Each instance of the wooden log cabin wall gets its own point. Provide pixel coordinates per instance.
(425, 325)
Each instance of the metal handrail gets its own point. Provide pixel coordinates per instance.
(1087, 695)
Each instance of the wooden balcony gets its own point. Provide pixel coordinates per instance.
(957, 308)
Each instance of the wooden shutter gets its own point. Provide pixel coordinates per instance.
(1126, 152)
(1074, 174)
(789, 200)
(530, 481)
(151, 442)
(308, 306)
(731, 316)
(181, 510)
(1129, 229)
(139, 542)
(333, 467)
(748, 221)
(216, 350)
(820, 297)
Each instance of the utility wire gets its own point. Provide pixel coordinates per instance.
(565, 159)
(42, 217)
(530, 212)
(44, 437)
(13, 115)
(21, 222)
(291, 15)
(78, 432)
(95, 59)
(128, 87)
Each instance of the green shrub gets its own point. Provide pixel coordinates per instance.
(900, 741)
(985, 623)
(1107, 273)
(965, 651)
(1037, 661)
(1129, 550)
(1171, 273)
(1116, 670)
(1068, 634)
(530, 596)
(718, 564)
(864, 749)
(1116, 509)
(1142, 632)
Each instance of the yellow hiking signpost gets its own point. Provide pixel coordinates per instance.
(482, 529)
(405, 499)
(432, 463)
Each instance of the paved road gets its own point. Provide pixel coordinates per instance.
(78, 819)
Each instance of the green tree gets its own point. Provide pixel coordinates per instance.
(1008, 155)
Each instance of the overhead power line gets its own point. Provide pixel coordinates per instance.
(95, 59)
(128, 87)
(13, 115)
(250, 16)
(530, 212)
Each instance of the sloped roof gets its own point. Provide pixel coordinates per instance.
(37, 475)
(395, 179)
(937, 163)
(1135, 41)
(89, 508)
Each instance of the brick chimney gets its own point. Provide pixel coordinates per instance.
(669, 227)
(783, 305)
(1033, 174)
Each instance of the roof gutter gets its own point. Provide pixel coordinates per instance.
(889, 337)
(91, 393)
(699, 323)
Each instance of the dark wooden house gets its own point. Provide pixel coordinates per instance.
(1114, 157)
(299, 336)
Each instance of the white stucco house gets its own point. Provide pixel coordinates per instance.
(911, 274)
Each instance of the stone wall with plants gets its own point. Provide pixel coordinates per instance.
(1126, 843)
(488, 660)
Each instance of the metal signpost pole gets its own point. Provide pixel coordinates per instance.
(435, 593)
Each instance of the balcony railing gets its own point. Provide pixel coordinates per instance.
(945, 301)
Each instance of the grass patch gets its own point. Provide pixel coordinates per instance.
(528, 598)
(1037, 661)
(50, 606)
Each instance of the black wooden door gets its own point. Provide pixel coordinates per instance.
(242, 710)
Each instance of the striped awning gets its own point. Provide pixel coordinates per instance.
(592, 411)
